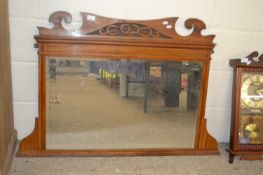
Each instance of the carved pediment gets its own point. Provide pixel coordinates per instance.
(94, 25)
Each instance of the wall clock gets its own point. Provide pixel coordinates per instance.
(247, 108)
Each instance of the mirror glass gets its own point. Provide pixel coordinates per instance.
(121, 104)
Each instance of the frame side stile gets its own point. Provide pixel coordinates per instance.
(206, 141)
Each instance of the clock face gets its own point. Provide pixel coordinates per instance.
(252, 90)
(251, 118)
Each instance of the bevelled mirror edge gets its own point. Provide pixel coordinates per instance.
(164, 42)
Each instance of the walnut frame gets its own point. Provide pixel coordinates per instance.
(114, 39)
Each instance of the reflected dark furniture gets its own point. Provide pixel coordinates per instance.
(140, 73)
(193, 84)
(172, 86)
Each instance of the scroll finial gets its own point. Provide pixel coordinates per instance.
(251, 60)
(57, 18)
(197, 24)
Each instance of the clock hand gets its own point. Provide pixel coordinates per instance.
(260, 91)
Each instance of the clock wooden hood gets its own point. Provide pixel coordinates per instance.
(115, 39)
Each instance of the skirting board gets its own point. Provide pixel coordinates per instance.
(10, 153)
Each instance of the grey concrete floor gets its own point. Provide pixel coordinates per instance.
(169, 165)
(92, 115)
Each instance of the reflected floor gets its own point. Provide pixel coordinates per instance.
(83, 113)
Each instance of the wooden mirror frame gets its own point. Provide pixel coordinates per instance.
(115, 39)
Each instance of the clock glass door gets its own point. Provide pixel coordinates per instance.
(251, 108)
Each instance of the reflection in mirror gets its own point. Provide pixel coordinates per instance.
(124, 104)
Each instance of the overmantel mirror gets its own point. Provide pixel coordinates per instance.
(121, 87)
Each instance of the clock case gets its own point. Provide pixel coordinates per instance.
(251, 63)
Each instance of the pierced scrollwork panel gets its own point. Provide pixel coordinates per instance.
(130, 30)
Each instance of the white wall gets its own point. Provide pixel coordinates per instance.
(237, 24)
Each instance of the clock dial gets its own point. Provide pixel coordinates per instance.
(252, 91)
(251, 125)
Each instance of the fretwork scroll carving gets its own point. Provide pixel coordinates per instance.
(129, 30)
